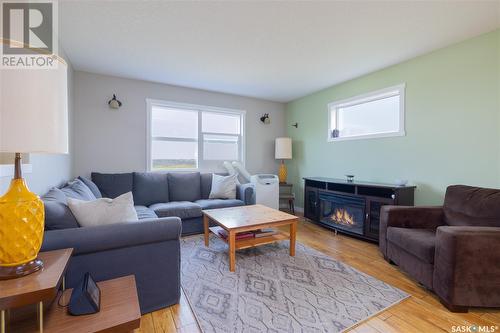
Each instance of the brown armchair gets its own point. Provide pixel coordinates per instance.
(453, 250)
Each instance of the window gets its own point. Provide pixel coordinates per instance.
(376, 114)
(184, 136)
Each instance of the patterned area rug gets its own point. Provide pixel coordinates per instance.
(273, 292)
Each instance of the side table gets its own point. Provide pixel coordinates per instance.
(286, 194)
(119, 311)
(36, 288)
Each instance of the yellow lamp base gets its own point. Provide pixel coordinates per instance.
(22, 218)
(282, 172)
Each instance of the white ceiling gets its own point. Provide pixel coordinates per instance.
(271, 50)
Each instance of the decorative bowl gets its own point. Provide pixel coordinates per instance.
(401, 182)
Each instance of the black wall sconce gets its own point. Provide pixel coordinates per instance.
(296, 125)
(265, 119)
(114, 103)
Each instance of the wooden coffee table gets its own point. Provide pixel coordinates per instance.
(249, 218)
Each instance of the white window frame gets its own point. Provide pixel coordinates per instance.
(199, 108)
(365, 98)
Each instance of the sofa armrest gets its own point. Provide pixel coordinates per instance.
(407, 217)
(246, 192)
(113, 236)
(467, 265)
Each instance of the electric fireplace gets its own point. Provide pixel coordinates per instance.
(351, 207)
(345, 212)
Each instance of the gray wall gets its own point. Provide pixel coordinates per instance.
(107, 140)
(50, 170)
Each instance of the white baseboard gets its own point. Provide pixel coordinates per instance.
(299, 209)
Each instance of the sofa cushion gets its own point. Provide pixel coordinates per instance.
(112, 185)
(182, 209)
(472, 206)
(206, 184)
(92, 186)
(184, 186)
(57, 213)
(418, 242)
(150, 188)
(219, 203)
(76, 189)
(144, 212)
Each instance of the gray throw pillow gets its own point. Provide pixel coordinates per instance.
(57, 213)
(93, 187)
(184, 186)
(104, 210)
(55, 194)
(76, 189)
(223, 187)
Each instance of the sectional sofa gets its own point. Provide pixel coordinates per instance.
(183, 195)
(167, 204)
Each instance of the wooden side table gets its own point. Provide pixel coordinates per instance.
(36, 288)
(119, 311)
(286, 194)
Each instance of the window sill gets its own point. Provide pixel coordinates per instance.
(370, 136)
(7, 170)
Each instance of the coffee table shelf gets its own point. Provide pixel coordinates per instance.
(254, 241)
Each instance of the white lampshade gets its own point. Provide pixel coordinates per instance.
(34, 110)
(283, 149)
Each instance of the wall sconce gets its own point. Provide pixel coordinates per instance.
(114, 103)
(296, 125)
(265, 119)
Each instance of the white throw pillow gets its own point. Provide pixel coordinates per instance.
(223, 187)
(104, 211)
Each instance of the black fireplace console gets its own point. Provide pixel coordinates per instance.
(351, 207)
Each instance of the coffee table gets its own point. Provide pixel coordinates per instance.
(249, 218)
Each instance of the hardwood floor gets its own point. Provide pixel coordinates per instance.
(421, 313)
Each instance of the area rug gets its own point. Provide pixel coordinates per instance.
(273, 292)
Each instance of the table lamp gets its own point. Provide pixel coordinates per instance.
(33, 119)
(283, 151)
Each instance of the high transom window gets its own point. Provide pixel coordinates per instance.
(376, 114)
(185, 136)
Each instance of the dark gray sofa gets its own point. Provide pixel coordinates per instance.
(166, 204)
(184, 195)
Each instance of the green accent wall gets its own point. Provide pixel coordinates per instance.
(452, 125)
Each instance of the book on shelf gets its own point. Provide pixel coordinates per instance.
(264, 232)
(244, 235)
(241, 235)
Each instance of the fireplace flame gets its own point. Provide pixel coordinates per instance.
(342, 216)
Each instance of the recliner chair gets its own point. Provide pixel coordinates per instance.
(453, 250)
